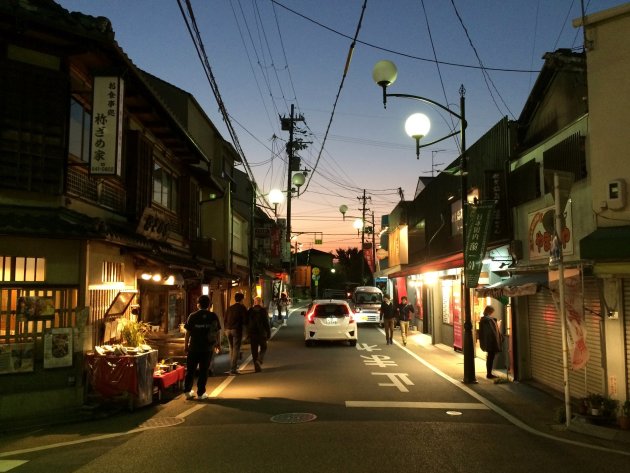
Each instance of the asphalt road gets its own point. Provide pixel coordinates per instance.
(331, 407)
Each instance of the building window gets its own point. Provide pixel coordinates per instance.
(237, 236)
(5, 268)
(164, 187)
(22, 269)
(113, 272)
(79, 134)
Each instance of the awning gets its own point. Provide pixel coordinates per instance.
(606, 243)
(448, 262)
(522, 284)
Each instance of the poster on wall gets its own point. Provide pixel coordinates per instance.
(58, 348)
(33, 307)
(17, 358)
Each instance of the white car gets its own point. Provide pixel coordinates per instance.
(329, 319)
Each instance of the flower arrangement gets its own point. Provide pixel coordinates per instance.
(133, 332)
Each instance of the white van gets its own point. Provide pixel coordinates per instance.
(366, 302)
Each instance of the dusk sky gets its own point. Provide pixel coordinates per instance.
(266, 55)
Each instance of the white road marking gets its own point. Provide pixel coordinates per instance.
(418, 405)
(398, 380)
(506, 415)
(7, 465)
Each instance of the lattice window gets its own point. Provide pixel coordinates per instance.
(22, 269)
(113, 271)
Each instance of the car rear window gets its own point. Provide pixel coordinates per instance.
(328, 310)
(369, 297)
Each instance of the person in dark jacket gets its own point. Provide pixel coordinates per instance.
(259, 332)
(490, 338)
(233, 326)
(388, 318)
(405, 312)
(202, 335)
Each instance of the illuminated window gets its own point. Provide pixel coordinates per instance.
(5, 268)
(29, 269)
(113, 272)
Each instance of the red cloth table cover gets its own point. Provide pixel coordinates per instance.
(166, 380)
(112, 375)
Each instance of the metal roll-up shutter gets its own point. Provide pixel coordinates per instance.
(626, 321)
(591, 379)
(546, 344)
(545, 341)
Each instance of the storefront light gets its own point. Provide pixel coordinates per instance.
(205, 289)
(170, 280)
(431, 277)
(146, 276)
(157, 277)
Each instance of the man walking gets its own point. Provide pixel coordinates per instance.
(202, 335)
(233, 326)
(405, 313)
(259, 332)
(387, 316)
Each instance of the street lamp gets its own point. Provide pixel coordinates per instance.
(385, 74)
(275, 197)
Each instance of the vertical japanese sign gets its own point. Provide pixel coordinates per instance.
(478, 224)
(368, 255)
(106, 139)
(574, 313)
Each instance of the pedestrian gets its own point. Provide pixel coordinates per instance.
(405, 313)
(259, 332)
(203, 330)
(490, 338)
(283, 306)
(233, 325)
(388, 318)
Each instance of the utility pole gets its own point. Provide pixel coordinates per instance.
(363, 200)
(288, 124)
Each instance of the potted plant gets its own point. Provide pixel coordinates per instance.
(133, 333)
(609, 408)
(624, 415)
(595, 402)
(583, 406)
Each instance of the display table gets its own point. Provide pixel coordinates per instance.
(130, 375)
(168, 379)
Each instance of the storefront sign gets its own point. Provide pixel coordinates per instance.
(495, 183)
(478, 225)
(107, 112)
(152, 225)
(541, 226)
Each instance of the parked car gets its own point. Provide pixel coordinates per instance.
(329, 319)
(366, 303)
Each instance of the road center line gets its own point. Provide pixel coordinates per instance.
(420, 405)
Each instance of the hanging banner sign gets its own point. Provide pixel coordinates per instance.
(574, 313)
(107, 114)
(478, 225)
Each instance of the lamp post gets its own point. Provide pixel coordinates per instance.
(418, 126)
(359, 225)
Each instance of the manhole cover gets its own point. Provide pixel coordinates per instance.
(161, 422)
(293, 418)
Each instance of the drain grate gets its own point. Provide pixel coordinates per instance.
(293, 418)
(161, 422)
